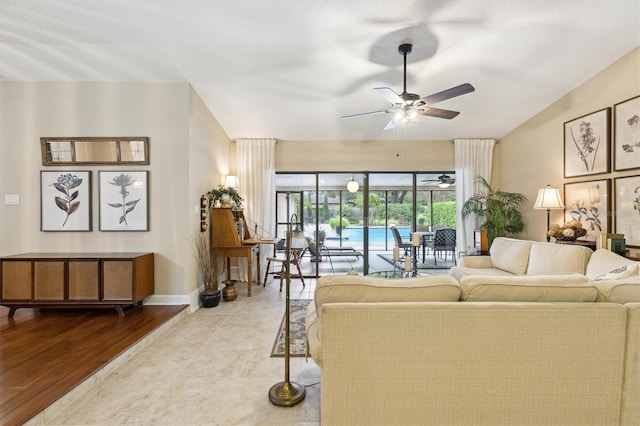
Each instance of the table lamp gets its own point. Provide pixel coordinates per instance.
(548, 198)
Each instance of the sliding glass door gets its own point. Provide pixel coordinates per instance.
(341, 221)
(348, 216)
(390, 204)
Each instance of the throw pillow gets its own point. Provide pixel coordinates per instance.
(619, 273)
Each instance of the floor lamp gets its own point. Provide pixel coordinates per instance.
(287, 393)
(548, 198)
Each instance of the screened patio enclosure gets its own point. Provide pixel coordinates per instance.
(352, 230)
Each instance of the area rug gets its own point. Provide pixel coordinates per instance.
(429, 263)
(297, 333)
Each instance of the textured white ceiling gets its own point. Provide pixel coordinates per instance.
(289, 69)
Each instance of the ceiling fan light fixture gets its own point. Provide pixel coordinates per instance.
(405, 115)
(444, 184)
(407, 107)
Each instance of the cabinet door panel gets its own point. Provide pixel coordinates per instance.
(84, 280)
(48, 280)
(117, 280)
(16, 280)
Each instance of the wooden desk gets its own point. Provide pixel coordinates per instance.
(230, 237)
(246, 250)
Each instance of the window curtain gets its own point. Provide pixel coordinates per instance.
(473, 157)
(256, 172)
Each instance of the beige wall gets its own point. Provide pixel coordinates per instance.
(531, 156)
(208, 164)
(364, 155)
(181, 132)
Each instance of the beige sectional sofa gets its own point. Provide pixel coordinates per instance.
(509, 256)
(485, 350)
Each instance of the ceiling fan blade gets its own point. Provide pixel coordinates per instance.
(390, 125)
(448, 94)
(364, 114)
(389, 95)
(437, 112)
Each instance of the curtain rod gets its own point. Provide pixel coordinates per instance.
(497, 140)
(253, 139)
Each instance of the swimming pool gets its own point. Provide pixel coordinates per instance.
(376, 235)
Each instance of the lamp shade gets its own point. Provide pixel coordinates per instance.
(298, 239)
(548, 198)
(353, 186)
(231, 181)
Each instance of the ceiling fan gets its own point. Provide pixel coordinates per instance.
(405, 107)
(443, 181)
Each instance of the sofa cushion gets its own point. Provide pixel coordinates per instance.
(314, 344)
(357, 288)
(510, 254)
(532, 288)
(624, 290)
(458, 272)
(603, 261)
(550, 258)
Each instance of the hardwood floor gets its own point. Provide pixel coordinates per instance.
(46, 353)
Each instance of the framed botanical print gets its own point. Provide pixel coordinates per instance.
(589, 203)
(65, 201)
(626, 134)
(124, 201)
(627, 209)
(586, 144)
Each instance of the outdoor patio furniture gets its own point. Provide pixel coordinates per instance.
(401, 245)
(444, 240)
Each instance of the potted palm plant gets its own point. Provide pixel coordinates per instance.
(498, 210)
(210, 295)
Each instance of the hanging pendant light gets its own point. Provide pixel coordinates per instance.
(353, 185)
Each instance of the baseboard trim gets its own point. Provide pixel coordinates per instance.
(192, 299)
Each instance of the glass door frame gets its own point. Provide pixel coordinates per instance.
(365, 191)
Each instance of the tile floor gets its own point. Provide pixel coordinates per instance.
(212, 367)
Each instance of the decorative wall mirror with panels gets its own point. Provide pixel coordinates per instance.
(63, 151)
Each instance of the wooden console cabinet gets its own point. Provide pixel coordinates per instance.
(75, 280)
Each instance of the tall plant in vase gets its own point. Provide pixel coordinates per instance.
(208, 269)
(497, 209)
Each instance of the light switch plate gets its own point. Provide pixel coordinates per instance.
(11, 199)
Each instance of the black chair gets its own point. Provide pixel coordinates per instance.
(428, 240)
(400, 244)
(444, 240)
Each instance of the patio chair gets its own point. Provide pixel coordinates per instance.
(428, 239)
(401, 245)
(444, 240)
